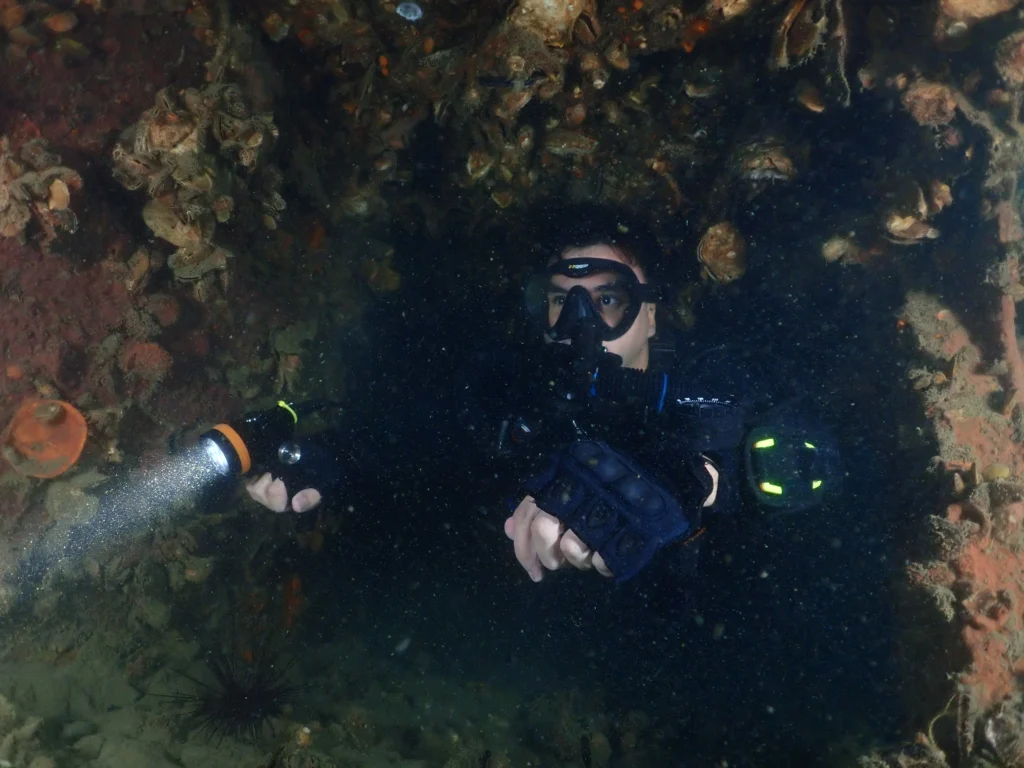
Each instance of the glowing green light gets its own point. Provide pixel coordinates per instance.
(815, 484)
(772, 488)
(291, 411)
(809, 445)
(768, 442)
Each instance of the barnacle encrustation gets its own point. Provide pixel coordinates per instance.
(905, 215)
(554, 22)
(35, 185)
(956, 17)
(808, 27)
(722, 252)
(186, 151)
(800, 34)
(762, 162)
(929, 103)
(169, 223)
(479, 163)
(1000, 735)
(563, 142)
(527, 53)
(202, 266)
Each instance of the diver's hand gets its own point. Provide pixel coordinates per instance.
(541, 541)
(273, 495)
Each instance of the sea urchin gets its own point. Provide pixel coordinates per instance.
(243, 697)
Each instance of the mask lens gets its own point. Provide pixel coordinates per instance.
(610, 298)
(613, 302)
(604, 291)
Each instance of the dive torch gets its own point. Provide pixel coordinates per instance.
(263, 441)
(260, 440)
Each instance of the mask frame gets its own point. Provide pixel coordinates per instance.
(579, 315)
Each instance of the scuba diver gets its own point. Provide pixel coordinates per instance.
(619, 451)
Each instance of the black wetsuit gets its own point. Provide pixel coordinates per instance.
(465, 430)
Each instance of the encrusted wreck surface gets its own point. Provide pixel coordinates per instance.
(201, 202)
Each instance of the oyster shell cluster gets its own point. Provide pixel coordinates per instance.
(546, 98)
(198, 154)
(554, 99)
(29, 26)
(35, 186)
(722, 252)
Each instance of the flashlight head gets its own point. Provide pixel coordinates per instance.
(253, 441)
(216, 454)
(226, 451)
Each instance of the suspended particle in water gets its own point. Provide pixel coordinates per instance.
(409, 11)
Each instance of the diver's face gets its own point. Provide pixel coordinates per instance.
(632, 346)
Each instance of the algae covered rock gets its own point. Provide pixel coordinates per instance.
(298, 756)
(19, 740)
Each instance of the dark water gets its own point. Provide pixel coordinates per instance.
(781, 650)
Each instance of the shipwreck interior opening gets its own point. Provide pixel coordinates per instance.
(751, 663)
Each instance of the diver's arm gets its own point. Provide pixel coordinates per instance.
(299, 478)
(317, 468)
(382, 434)
(614, 507)
(543, 543)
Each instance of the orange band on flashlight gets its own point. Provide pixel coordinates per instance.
(238, 444)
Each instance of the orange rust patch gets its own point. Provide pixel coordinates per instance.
(986, 440)
(987, 574)
(993, 617)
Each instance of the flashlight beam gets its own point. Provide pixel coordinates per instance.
(128, 508)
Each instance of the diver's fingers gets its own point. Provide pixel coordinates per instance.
(581, 556)
(306, 499)
(277, 496)
(522, 519)
(576, 552)
(260, 490)
(545, 532)
(713, 471)
(600, 566)
(257, 486)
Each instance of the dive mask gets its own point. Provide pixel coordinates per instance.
(608, 305)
